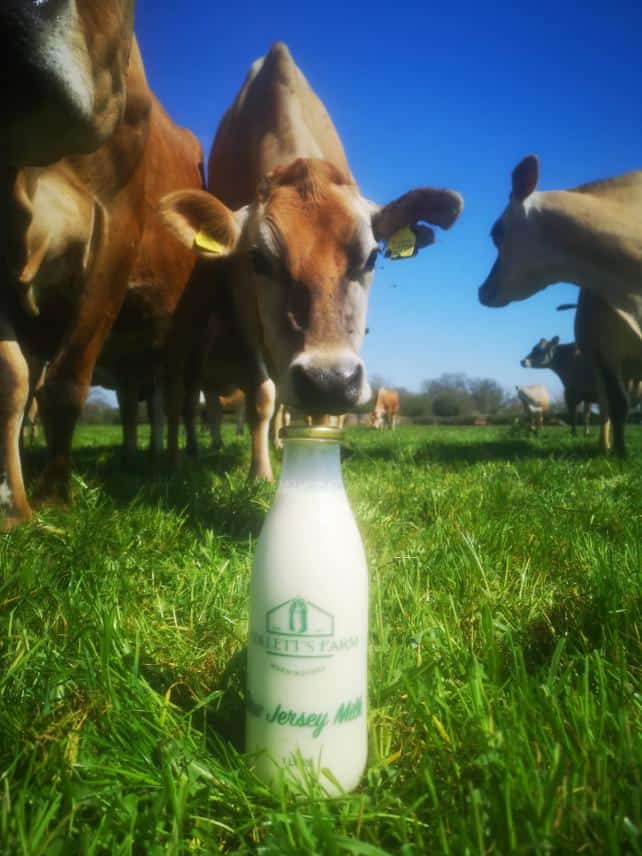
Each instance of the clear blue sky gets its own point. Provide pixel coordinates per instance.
(449, 94)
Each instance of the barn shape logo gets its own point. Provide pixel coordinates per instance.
(299, 628)
(299, 617)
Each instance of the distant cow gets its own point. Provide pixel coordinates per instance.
(589, 236)
(214, 408)
(386, 409)
(536, 402)
(576, 372)
(74, 122)
(286, 230)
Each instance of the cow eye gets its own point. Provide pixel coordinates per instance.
(260, 263)
(372, 260)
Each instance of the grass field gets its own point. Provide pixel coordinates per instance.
(505, 655)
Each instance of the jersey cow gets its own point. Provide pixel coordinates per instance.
(591, 236)
(386, 409)
(535, 401)
(69, 228)
(285, 225)
(133, 354)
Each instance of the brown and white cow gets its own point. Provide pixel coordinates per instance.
(69, 229)
(574, 369)
(536, 402)
(287, 229)
(386, 409)
(590, 236)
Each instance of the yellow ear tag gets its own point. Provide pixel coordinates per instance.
(401, 245)
(205, 242)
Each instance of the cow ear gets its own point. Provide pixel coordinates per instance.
(525, 178)
(201, 222)
(402, 222)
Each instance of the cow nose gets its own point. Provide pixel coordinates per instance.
(327, 388)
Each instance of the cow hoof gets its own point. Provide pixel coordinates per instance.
(16, 519)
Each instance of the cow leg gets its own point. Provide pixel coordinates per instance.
(260, 399)
(127, 395)
(156, 420)
(190, 409)
(214, 417)
(586, 416)
(571, 406)
(14, 392)
(240, 420)
(618, 407)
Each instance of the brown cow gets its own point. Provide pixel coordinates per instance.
(287, 230)
(133, 355)
(69, 229)
(589, 236)
(386, 409)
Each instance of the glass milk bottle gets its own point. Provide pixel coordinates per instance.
(307, 650)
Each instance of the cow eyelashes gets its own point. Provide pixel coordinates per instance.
(371, 261)
(358, 269)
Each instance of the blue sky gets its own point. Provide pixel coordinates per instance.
(451, 95)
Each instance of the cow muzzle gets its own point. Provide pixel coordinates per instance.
(488, 295)
(322, 384)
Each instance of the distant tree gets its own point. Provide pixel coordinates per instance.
(487, 395)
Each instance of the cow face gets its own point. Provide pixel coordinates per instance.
(542, 355)
(307, 248)
(66, 62)
(526, 261)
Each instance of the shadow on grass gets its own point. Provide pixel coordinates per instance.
(198, 489)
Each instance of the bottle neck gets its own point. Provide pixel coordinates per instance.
(311, 464)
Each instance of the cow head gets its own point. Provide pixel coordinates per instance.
(526, 260)
(542, 355)
(307, 248)
(65, 63)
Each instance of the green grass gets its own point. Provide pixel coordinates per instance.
(505, 655)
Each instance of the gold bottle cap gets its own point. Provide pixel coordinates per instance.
(312, 432)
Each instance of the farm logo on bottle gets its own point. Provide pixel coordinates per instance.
(299, 628)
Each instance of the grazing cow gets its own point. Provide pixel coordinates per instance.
(69, 227)
(386, 409)
(576, 372)
(536, 402)
(133, 354)
(287, 231)
(591, 236)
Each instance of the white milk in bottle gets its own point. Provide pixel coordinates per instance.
(308, 633)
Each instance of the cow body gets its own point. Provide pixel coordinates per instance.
(70, 231)
(612, 347)
(386, 409)
(574, 369)
(133, 356)
(536, 402)
(590, 236)
(287, 232)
